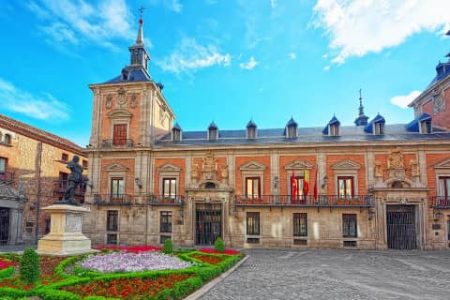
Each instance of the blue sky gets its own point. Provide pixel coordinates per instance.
(222, 60)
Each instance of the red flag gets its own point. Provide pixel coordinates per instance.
(294, 189)
(306, 183)
(315, 184)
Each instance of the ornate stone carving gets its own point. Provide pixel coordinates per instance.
(445, 164)
(395, 160)
(209, 166)
(438, 102)
(298, 165)
(224, 173)
(378, 169)
(253, 166)
(346, 165)
(133, 101)
(121, 98)
(169, 168)
(108, 102)
(195, 173)
(414, 168)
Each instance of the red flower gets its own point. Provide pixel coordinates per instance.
(133, 249)
(213, 251)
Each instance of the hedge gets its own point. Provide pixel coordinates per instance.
(6, 272)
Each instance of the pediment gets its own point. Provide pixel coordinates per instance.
(346, 165)
(169, 168)
(116, 168)
(253, 166)
(298, 165)
(120, 114)
(445, 164)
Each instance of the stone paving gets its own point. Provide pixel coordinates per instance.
(337, 274)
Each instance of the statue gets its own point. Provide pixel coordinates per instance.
(75, 179)
(195, 172)
(378, 169)
(414, 168)
(224, 172)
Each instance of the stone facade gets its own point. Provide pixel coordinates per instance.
(34, 161)
(195, 186)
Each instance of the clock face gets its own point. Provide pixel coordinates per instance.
(438, 104)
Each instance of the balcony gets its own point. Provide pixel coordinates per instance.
(440, 202)
(7, 176)
(117, 143)
(165, 200)
(360, 201)
(114, 199)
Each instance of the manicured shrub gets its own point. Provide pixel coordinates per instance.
(219, 245)
(29, 266)
(168, 246)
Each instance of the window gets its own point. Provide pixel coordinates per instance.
(251, 132)
(448, 228)
(63, 180)
(253, 223)
(292, 131)
(334, 130)
(379, 128)
(345, 186)
(444, 187)
(7, 139)
(252, 187)
(117, 187)
(120, 134)
(300, 224)
(213, 134)
(64, 157)
(425, 126)
(169, 187)
(299, 181)
(112, 220)
(165, 222)
(85, 163)
(3, 165)
(349, 227)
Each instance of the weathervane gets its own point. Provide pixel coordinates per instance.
(141, 11)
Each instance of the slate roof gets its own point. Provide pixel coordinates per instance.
(394, 132)
(442, 71)
(135, 74)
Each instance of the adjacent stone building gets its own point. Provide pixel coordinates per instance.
(371, 186)
(33, 175)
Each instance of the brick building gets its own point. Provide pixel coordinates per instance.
(371, 186)
(33, 175)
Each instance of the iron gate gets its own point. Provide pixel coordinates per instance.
(208, 223)
(4, 225)
(401, 227)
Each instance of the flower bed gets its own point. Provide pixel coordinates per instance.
(130, 288)
(213, 251)
(6, 263)
(133, 262)
(209, 259)
(133, 249)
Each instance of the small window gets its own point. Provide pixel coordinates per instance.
(252, 187)
(64, 157)
(349, 226)
(300, 224)
(251, 132)
(379, 128)
(169, 188)
(349, 244)
(425, 126)
(345, 186)
(117, 187)
(85, 163)
(111, 239)
(334, 130)
(7, 139)
(176, 135)
(3, 165)
(165, 222)
(213, 134)
(119, 135)
(444, 187)
(112, 220)
(292, 131)
(253, 223)
(63, 180)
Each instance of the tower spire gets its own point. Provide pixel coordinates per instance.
(139, 56)
(140, 36)
(362, 119)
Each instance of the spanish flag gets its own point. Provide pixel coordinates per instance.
(306, 183)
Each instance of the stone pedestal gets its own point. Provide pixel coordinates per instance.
(65, 237)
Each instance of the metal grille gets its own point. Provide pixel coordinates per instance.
(208, 223)
(401, 227)
(4, 225)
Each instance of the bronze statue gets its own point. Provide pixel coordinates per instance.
(75, 179)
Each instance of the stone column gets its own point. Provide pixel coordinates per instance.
(322, 169)
(275, 173)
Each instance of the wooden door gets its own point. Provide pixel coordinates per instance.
(120, 135)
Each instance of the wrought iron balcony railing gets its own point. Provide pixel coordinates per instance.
(165, 200)
(442, 202)
(7, 176)
(306, 201)
(117, 143)
(114, 199)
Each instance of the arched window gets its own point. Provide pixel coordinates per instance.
(210, 185)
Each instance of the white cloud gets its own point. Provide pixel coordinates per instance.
(77, 21)
(273, 3)
(249, 65)
(292, 55)
(403, 100)
(190, 56)
(173, 5)
(358, 27)
(44, 107)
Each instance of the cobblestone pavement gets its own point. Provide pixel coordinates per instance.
(337, 274)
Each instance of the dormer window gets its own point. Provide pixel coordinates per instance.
(332, 128)
(425, 126)
(176, 133)
(291, 131)
(251, 130)
(213, 132)
(378, 128)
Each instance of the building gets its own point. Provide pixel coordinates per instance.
(374, 185)
(33, 175)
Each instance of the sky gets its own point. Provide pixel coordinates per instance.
(226, 61)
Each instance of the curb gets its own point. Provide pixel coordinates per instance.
(199, 293)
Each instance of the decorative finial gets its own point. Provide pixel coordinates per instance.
(140, 37)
